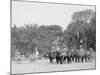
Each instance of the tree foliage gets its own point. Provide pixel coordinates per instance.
(81, 30)
(28, 37)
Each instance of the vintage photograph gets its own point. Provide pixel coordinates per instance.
(52, 37)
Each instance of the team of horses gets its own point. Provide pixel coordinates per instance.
(69, 57)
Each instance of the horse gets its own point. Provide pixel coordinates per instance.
(61, 57)
(51, 56)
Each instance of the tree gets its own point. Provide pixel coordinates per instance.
(48, 34)
(28, 37)
(80, 29)
(85, 15)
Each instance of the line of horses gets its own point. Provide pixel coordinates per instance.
(69, 57)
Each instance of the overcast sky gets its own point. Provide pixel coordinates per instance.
(43, 13)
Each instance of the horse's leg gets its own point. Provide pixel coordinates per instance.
(85, 58)
(61, 60)
(68, 61)
(82, 58)
(65, 59)
(76, 59)
(50, 59)
(57, 60)
(72, 59)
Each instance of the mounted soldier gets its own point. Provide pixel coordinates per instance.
(58, 57)
(68, 56)
(63, 55)
(76, 55)
(82, 53)
(72, 55)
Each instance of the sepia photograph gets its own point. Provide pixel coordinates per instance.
(52, 37)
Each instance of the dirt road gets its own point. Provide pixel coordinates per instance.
(45, 66)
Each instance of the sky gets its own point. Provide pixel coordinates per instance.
(44, 13)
